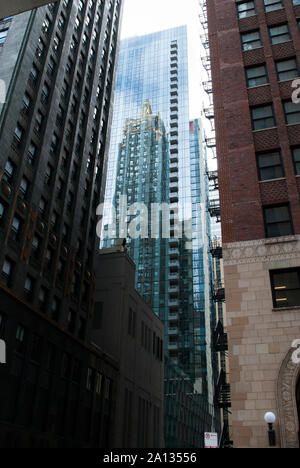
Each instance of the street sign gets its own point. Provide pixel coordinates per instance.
(211, 440)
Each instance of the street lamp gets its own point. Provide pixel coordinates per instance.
(270, 419)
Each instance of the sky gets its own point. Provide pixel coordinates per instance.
(146, 16)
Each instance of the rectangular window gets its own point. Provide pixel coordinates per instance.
(287, 69)
(278, 221)
(131, 323)
(296, 158)
(2, 324)
(270, 165)
(262, 117)
(296, 2)
(9, 171)
(279, 34)
(3, 35)
(285, 288)
(257, 76)
(272, 5)
(292, 112)
(20, 339)
(251, 40)
(246, 9)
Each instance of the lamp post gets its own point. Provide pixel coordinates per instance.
(270, 419)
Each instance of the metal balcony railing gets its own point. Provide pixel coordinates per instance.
(214, 209)
(220, 338)
(222, 395)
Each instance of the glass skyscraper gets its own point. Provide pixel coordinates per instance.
(150, 161)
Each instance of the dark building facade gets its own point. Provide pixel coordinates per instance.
(255, 53)
(57, 63)
(129, 331)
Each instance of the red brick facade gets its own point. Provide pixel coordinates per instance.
(242, 195)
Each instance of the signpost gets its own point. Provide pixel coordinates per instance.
(211, 440)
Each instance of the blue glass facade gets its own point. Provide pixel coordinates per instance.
(154, 157)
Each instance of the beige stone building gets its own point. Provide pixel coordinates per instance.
(263, 375)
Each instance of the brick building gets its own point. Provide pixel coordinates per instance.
(255, 56)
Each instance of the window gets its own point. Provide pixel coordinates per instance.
(279, 34)
(26, 103)
(45, 93)
(257, 76)
(38, 122)
(2, 211)
(251, 40)
(296, 158)
(29, 282)
(285, 287)
(9, 171)
(32, 150)
(131, 323)
(16, 227)
(20, 339)
(246, 9)
(3, 35)
(270, 165)
(296, 2)
(55, 308)
(278, 221)
(272, 5)
(292, 112)
(287, 69)
(43, 297)
(66, 366)
(48, 175)
(262, 117)
(90, 381)
(2, 324)
(24, 187)
(19, 131)
(7, 268)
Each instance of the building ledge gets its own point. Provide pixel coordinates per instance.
(286, 309)
(272, 180)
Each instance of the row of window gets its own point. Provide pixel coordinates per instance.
(278, 34)
(70, 368)
(246, 9)
(149, 340)
(270, 165)
(263, 117)
(287, 69)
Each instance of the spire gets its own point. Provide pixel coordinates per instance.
(146, 110)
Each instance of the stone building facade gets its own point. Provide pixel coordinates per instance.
(255, 50)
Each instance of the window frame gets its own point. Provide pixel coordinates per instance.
(293, 149)
(275, 2)
(278, 35)
(265, 153)
(248, 33)
(290, 113)
(249, 79)
(272, 274)
(277, 62)
(280, 205)
(252, 108)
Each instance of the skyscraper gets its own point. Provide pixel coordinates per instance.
(150, 162)
(57, 63)
(255, 51)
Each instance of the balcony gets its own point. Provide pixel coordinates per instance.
(173, 331)
(174, 187)
(207, 85)
(222, 395)
(174, 158)
(174, 265)
(209, 112)
(210, 142)
(216, 250)
(174, 243)
(174, 291)
(214, 209)
(174, 167)
(220, 339)
(213, 178)
(173, 276)
(173, 316)
(174, 198)
(173, 346)
(206, 62)
(219, 292)
(205, 41)
(174, 253)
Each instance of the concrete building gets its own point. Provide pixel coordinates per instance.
(255, 52)
(129, 331)
(57, 63)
